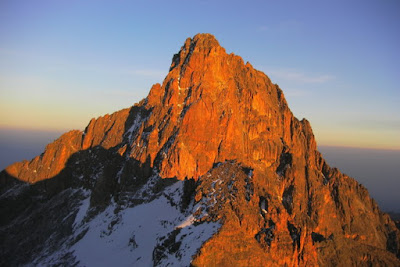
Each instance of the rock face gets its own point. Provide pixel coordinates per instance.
(224, 133)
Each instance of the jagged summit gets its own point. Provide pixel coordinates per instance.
(205, 39)
(207, 103)
(200, 43)
(211, 169)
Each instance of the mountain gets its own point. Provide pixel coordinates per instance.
(211, 169)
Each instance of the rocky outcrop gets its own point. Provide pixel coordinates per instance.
(271, 222)
(253, 167)
(49, 163)
(107, 132)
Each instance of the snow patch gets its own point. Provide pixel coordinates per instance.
(130, 237)
(187, 222)
(191, 239)
(135, 126)
(82, 211)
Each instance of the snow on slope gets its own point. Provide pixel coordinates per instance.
(143, 235)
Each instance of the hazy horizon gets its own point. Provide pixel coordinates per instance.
(376, 169)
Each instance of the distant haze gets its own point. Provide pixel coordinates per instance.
(376, 169)
(18, 145)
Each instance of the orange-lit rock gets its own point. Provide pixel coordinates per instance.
(212, 107)
(51, 162)
(279, 201)
(106, 131)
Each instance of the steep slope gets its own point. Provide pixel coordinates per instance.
(216, 153)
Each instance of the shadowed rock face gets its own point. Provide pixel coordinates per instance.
(255, 167)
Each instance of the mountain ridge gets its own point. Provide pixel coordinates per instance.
(224, 132)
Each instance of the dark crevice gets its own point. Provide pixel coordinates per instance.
(263, 204)
(316, 237)
(266, 235)
(249, 186)
(285, 162)
(294, 234)
(165, 148)
(287, 199)
(187, 58)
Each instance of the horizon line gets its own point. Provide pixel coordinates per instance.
(65, 130)
(360, 147)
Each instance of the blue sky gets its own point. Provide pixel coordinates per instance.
(338, 62)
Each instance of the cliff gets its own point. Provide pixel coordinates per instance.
(224, 132)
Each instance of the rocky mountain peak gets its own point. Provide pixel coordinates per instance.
(212, 168)
(212, 107)
(201, 45)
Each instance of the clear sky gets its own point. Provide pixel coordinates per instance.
(338, 62)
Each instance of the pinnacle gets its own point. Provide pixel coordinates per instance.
(202, 42)
(205, 40)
